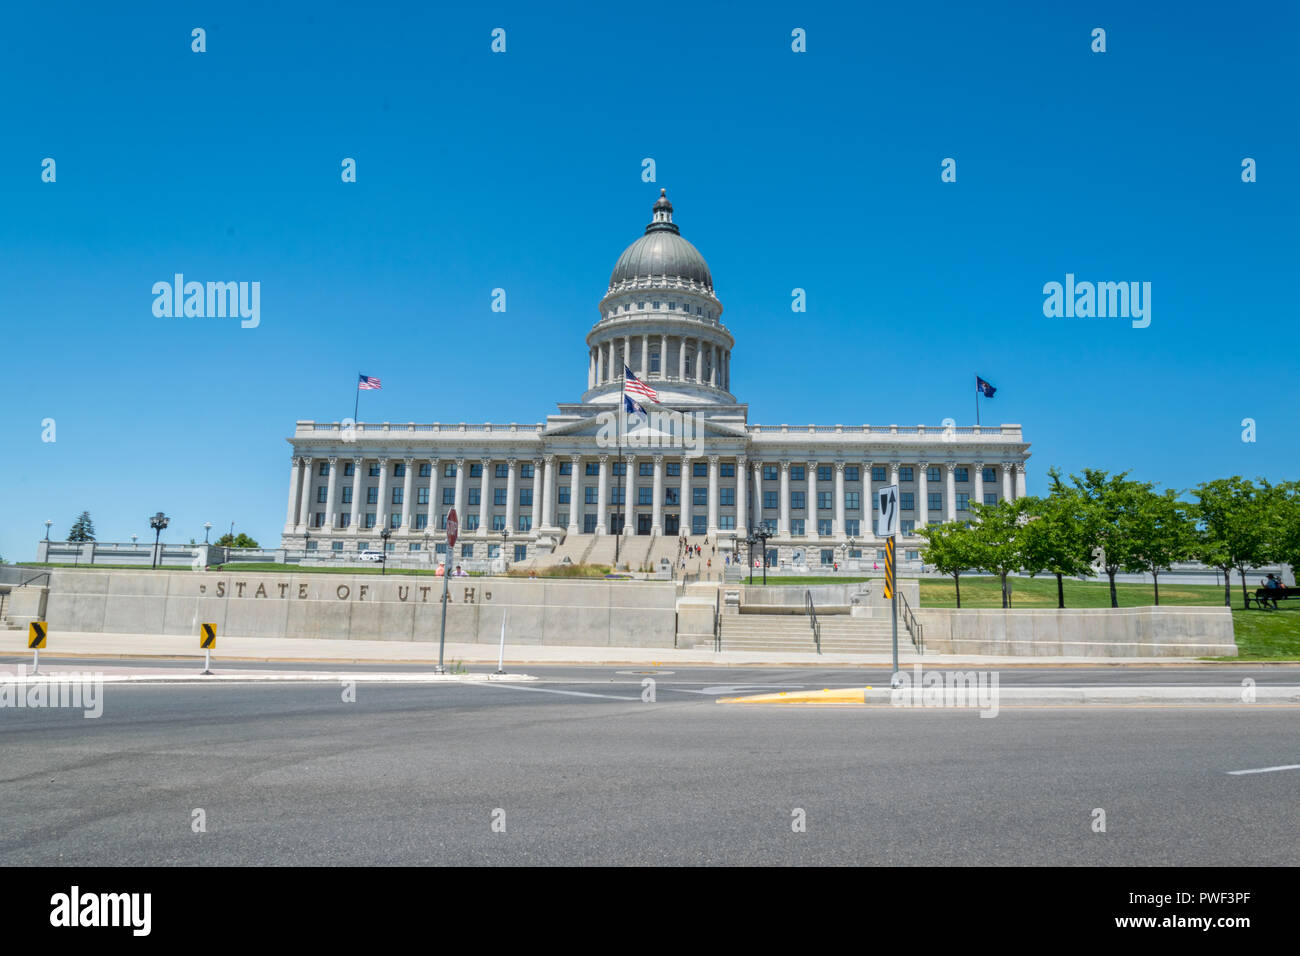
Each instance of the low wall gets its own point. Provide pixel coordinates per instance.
(364, 607)
(1083, 632)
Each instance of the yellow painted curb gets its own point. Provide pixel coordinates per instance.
(841, 695)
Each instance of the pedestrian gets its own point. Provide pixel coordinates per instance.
(1272, 585)
(874, 566)
(710, 564)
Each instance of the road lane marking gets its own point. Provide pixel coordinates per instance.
(1288, 766)
(567, 693)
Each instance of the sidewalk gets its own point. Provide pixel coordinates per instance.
(145, 646)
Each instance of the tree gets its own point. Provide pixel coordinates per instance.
(1238, 527)
(83, 529)
(1287, 549)
(1162, 531)
(240, 540)
(998, 539)
(1055, 538)
(1109, 516)
(948, 549)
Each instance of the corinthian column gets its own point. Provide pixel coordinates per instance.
(304, 508)
(330, 493)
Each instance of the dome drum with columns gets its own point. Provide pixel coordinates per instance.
(561, 490)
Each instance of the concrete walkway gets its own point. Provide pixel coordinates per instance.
(333, 653)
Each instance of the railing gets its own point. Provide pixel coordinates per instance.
(38, 574)
(812, 619)
(914, 627)
(717, 622)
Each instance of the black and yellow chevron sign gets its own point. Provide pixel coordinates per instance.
(36, 635)
(889, 568)
(207, 637)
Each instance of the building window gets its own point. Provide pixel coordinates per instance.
(796, 527)
(502, 470)
(336, 545)
(374, 470)
(564, 495)
(907, 527)
(449, 496)
(426, 470)
(656, 305)
(562, 519)
(591, 494)
(824, 526)
(727, 497)
(932, 473)
(422, 496)
(828, 555)
(521, 552)
(470, 522)
(824, 502)
(370, 519)
(908, 501)
(345, 520)
(588, 524)
(498, 496)
(770, 500)
(905, 473)
(700, 496)
(324, 469)
(851, 527)
(769, 525)
(620, 469)
(699, 524)
(422, 521)
(467, 550)
(318, 520)
(961, 474)
(769, 473)
(851, 500)
(593, 468)
(963, 501)
(796, 500)
(674, 469)
(700, 469)
(877, 472)
(934, 501)
(645, 469)
(347, 496)
(796, 472)
(399, 470)
(394, 521)
(525, 523)
(643, 496)
(913, 555)
(372, 496)
(312, 545)
(449, 470)
(654, 361)
(322, 495)
(823, 472)
(498, 524)
(672, 305)
(398, 496)
(726, 522)
(476, 471)
(474, 497)
(526, 496)
(990, 474)
(728, 470)
(990, 497)
(851, 473)
(672, 496)
(349, 470)
(618, 495)
(566, 467)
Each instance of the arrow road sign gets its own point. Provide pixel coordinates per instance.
(208, 637)
(887, 523)
(36, 635)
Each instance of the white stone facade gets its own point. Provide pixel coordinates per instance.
(696, 467)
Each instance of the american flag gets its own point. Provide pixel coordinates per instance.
(366, 382)
(634, 386)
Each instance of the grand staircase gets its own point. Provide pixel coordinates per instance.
(841, 634)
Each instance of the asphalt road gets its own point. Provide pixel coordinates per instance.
(585, 772)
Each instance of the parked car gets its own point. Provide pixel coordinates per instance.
(370, 556)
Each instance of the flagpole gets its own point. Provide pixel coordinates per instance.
(977, 400)
(356, 404)
(618, 514)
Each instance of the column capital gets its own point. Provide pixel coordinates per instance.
(785, 464)
(812, 464)
(409, 462)
(951, 466)
(839, 467)
(1020, 467)
(294, 461)
(742, 461)
(686, 460)
(979, 465)
(382, 461)
(306, 460)
(923, 465)
(511, 461)
(460, 463)
(658, 459)
(714, 459)
(333, 460)
(358, 462)
(604, 459)
(485, 462)
(538, 462)
(575, 459)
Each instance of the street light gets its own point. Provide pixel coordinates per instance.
(48, 522)
(749, 555)
(207, 527)
(505, 536)
(762, 534)
(133, 537)
(384, 534)
(158, 522)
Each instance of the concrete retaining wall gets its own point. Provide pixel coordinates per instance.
(364, 607)
(1085, 632)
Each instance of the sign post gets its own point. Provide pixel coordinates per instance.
(208, 643)
(36, 631)
(887, 528)
(453, 526)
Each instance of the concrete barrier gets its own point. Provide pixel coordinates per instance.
(1085, 632)
(364, 607)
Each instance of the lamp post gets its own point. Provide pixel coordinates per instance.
(48, 522)
(207, 529)
(505, 535)
(158, 522)
(762, 535)
(383, 564)
(133, 537)
(749, 555)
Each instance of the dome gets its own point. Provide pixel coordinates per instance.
(661, 253)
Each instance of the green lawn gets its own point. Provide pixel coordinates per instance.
(1261, 635)
(799, 579)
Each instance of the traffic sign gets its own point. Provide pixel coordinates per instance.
(453, 526)
(36, 635)
(889, 568)
(208, 637)
(887, 523)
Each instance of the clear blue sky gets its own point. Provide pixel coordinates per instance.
(523, 171)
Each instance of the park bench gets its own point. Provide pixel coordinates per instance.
(1264, 597)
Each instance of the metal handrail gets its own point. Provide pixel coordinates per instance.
(717, 622)
(914, 627)
(812, 619)
(38, 574)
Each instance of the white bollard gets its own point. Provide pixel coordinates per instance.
(501, 653)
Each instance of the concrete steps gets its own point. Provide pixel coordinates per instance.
(791, 632)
